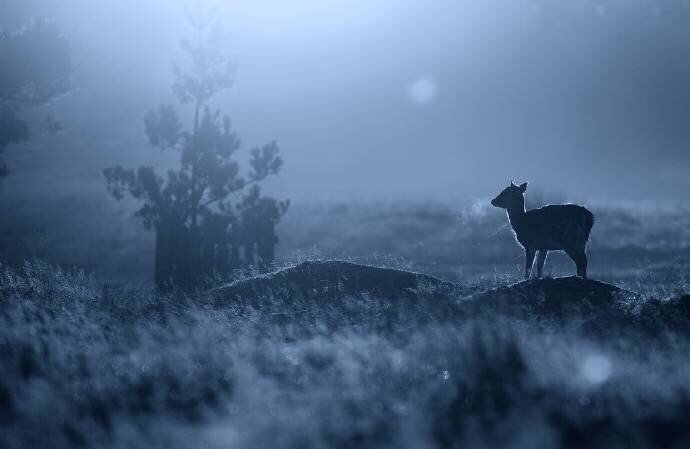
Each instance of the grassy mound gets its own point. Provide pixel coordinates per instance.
(569, 300)
(333, 280)
(594, 306)
(335, 286)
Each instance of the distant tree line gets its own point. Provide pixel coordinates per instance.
(208, 216)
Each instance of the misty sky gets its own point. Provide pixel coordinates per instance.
(385, 98)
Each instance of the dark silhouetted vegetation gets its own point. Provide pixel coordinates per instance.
(209, 218)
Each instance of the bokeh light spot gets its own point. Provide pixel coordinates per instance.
(596, 368)
(422, 91)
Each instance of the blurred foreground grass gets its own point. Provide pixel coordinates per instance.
(85, 365)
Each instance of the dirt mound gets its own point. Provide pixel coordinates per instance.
(333, 280)
(560, 295)
(557, 299)
(591, 305)
(595, 306)
(666, 314)
(569, 288)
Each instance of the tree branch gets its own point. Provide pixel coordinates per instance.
(247, 184)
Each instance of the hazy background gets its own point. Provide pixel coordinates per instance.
(391, 99)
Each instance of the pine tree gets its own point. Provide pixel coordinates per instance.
(209, 218)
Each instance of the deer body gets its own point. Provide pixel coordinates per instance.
(551, 228)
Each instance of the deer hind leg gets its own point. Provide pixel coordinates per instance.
(580, 258)
(582, 266)
(529, 260)
(541, 258)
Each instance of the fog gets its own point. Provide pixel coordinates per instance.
(390, 99)
(373, 279)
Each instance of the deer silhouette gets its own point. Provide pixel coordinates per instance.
(562, 227)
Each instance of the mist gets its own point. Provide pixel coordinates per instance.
(344, 224)
(386, 99)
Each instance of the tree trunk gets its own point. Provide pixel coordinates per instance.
(266, 245)
(163, 269)
(223, 260)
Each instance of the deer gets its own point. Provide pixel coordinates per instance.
(556, 227)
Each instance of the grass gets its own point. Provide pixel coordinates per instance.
(88, 366)
(468, 242)
(100, 360)
(465, 241)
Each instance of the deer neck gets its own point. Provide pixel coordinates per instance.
(515, 215)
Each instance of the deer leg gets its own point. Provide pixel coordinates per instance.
(582, 265)
(529, 260)
(580, 259)
(541, 258)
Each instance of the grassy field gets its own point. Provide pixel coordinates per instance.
(459, 241)
(85, 366)
(91, 358)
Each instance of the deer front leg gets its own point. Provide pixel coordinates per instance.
(541, 258)
(529, 260)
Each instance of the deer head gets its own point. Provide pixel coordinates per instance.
(511, 197)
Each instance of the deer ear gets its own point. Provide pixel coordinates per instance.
(512, 184)
(523, 187)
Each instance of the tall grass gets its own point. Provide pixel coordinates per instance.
(85, 366)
